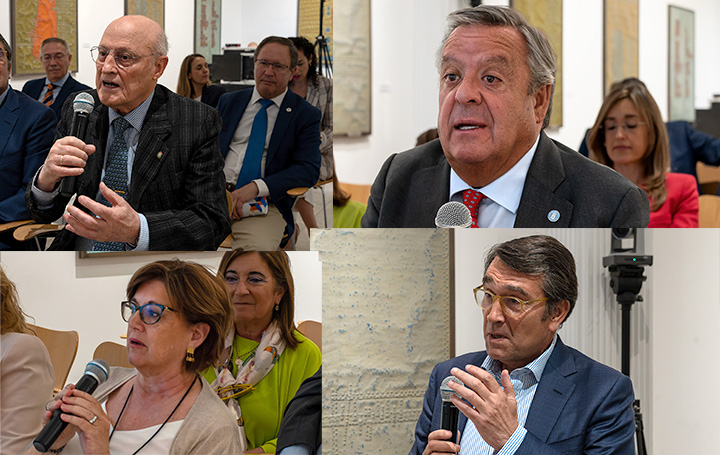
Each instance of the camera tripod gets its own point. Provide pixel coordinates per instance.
(323, 52)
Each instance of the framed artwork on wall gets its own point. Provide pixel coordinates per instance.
(35, 20)
(547, 16)
(207, 27)
(620, 41)
(681, 64)
(154, 9)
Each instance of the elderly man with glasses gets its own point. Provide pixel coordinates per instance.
(528, 393)
(57, 85)
(149, 173)
(270, 139)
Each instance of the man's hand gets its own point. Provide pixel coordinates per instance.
(119, 223)
(493, 410)
(438, 443)
(67, 157)
(241, 196)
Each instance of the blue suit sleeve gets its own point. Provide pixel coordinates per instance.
(704, 147)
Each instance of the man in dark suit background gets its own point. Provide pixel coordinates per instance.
(529, 393)
(26, 134)
(56, 57)
(288, 156)
(497, 75)
(150, 174)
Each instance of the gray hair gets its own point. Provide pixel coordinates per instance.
(545, 257)
(541, 57)
(160, 44)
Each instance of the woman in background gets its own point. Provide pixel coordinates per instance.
(194, 81)
(346, 212)
(630, 137)
(266, 358)
(26, 374)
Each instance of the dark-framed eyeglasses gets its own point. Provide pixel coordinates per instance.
(277, 67)
(123, 59)
(511, 306)
(149, 313)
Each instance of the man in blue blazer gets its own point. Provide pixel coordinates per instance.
(528, 393)
(56, 58)
(26, 134)
(289, 157)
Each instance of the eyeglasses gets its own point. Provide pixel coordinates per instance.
(56, 57)
(124, 59)
(277, 67)
(611, 129)
(149, 313)
(511, 306)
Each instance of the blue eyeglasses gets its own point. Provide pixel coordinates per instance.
(149, 313)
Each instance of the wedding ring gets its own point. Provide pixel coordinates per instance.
(61, 159)
(92, 421)
(47, 405)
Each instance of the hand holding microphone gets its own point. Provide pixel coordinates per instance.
(444, 440)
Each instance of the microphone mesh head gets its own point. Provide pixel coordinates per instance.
(453, 214)
(99, 369)
(445, 391)
(84, 103)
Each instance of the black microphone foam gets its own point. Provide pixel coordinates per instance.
(83, 105)
(453, 214)
(96, 372)
(449, 415)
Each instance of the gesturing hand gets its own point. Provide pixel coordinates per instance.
(118, 223)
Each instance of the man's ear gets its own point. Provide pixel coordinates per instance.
(542, 102)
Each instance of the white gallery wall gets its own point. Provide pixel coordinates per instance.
(243, 21)
(405, 35)
(62, 291)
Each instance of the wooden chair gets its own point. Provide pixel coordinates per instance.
(62, 347)
(709, 211)
(113, 353)
(227, 243)
(312, 330)
(708, 178)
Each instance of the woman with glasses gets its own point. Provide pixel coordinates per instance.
(178, 315)
(194, 81)
(630, 137)
(265, 358)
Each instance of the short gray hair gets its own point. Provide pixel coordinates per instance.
(541, 57)
(160, 44)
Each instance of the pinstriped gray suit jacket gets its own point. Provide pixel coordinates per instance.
(412, 185)
(177, 177)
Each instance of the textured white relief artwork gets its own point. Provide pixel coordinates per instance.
(385, 325)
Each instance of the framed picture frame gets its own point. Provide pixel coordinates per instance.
(154, 9)
(681, 64)
(208, 19)
(34, 21)
(620, 41)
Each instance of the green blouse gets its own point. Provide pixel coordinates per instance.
(264, 407)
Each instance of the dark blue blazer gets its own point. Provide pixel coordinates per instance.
(211, 94)
(293, 155)
(27, 128)
(34, 87)
(580, 407)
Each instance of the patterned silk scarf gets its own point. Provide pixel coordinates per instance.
(252, 371)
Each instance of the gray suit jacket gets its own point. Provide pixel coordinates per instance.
(177, 175)
(412, 185)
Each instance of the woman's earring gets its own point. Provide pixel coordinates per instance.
(277, 307)
(190, 356)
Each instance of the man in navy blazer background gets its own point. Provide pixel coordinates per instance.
(291, 155)
(26, 134)
(56, 57)
(529, 393)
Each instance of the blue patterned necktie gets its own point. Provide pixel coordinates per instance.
(115, 175)
(255, 148)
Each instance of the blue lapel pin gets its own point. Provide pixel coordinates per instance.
(553, 216)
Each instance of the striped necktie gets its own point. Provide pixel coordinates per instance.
(472, 199)
(48, 100)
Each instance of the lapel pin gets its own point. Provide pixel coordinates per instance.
(159, 155)
(289, 109)
(553, 216)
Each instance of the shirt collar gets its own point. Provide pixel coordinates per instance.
(257, 97)
(536, 367)
(505, 190)
(59, 83)
(136, 117)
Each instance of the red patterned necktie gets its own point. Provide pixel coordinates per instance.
(472, 199)
(48, 100)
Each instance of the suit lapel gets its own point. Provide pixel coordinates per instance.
(8, 118)
(231, 118)
(539, 205)
(428, 190)
(287, 109)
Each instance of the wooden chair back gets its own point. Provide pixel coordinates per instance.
(62, 347)
(709, 211)
(312, 330)
(113, 353)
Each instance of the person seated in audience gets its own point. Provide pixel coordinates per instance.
(346, 212)
(318, 91)
(178, 315)
(57, 85)
(630, 137)
(26, 131)
(265, 358)
(300, 431)
(26, 374)
(194, 81)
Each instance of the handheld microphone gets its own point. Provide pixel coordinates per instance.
(450, 413)
(83, 105)
(453, 214)
(96, 372)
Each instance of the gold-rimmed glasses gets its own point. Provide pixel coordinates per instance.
(123, 59)
(511, 306)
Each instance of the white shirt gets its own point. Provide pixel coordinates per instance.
(503, 194)
(58, 86)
